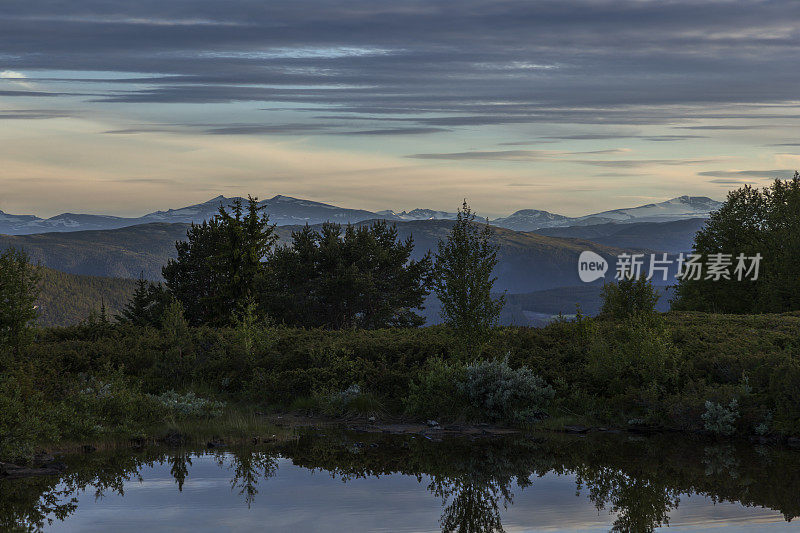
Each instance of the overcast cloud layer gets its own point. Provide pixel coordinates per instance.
(121, 106)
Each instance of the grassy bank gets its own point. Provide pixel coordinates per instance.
(725, 375)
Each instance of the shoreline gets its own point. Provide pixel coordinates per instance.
(281, 428)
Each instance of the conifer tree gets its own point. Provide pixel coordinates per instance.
(19, 290)
(221, 263)
(146, 306)
(360, 277)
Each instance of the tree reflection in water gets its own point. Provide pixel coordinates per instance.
(640, 504)
(248, 467)
(639, 481)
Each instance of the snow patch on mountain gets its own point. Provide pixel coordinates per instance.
(530, 219)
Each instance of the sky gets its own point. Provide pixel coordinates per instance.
(126, 107)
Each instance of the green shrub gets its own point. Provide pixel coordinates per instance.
(349, 401)
(501, 393)
(765, 426)
(637, 353)
(719, 419)
(23, 417)
(437, 392)
(107, 404)
(189, 405)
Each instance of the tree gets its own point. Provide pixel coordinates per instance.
(19, 291)
(750, 222)
(363, 277)
(146, 306)
(174, 324)
(630, 296)
(220, 264)
(463, 276)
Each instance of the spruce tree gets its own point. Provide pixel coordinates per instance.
(360, 277)
(221, 263)
(135, 312)
(19, 291)
(146, 306)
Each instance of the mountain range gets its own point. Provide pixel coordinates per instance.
(287, 211)
(680, 208)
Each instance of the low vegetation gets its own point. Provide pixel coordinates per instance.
(683, 372)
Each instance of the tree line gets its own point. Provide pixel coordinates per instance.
(230, 269)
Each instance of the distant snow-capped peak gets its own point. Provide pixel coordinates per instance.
(417, 214)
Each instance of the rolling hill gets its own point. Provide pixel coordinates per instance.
(675, 236)
(527, 261)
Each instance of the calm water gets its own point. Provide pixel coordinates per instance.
(355, 482)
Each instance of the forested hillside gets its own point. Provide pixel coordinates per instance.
(123, 253)
(67, 299)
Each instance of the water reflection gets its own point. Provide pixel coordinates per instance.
(636, 483)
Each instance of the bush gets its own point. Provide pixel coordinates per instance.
(636, 353)
(437, 391)
(23, 420)
(38, 406)
(503, 394)
(107, 404)
(189, 405)
(630, 296)
(719, 419)
(349, 401)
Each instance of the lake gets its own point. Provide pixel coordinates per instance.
(345, 481)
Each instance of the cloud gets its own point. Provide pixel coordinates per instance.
(732, 127)
(395, 131)
(582, 62)
(637, 163)
(11, 75)
(29, 93)
(605, 136)
(780, 173)
(221, 78)
(526, 143)
(16, 78)
(136, 131)
(512, 155)
(722, 181)
(151, 181)
(33, 114)
(265, 129)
